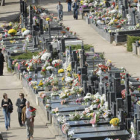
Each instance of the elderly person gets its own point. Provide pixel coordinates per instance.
(28, 119)
(7, 106)
(21, 103)
(60, 11)
(1, 62)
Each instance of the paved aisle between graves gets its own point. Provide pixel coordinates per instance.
(12, 86)
(117, 54)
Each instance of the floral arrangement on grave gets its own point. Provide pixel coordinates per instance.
(43, 71)
(114, 122)
(40, 83)
(50, 69)
(30, 67)
(55, 111)
(123, 93)
(78, 89)
(64, 94)
(61, 119)
(67, 28)
(63, 32)
(23, 29)
(48, 106)
(23, 63)
(55, 88)
(57, 63)
(106, 114)
(69, 68)
(47, 82)
(104, 68)
(48, 19)
(33, 83)
(14, 62)
(95, 119)
(28, 78)
(88, 98)
(69, 81)
(75, 116)
(79, 100)
(63, 101)
(54, 94)
(65, 128)
(61, 71)
(12, 32)
(42, 95)
(109, 63)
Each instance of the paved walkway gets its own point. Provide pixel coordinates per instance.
(11, 85)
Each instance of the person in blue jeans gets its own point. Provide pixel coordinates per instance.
(60, 11)
(75, 10)
(69, 5)
(6, 105)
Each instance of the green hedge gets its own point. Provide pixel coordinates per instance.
(27, 55)
(76, 47)
(130, 40)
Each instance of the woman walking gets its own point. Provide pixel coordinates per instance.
(7, 106)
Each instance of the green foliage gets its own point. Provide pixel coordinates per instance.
(76, 47)
(130, 40)
(27, 55)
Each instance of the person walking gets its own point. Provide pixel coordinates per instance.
(28, 114)
(60, 11)
(69, 5)
(1, 62)
(75, 10)
(7, 106)
(21, 103)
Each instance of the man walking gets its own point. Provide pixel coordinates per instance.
(28, 114)
(21, 103)
(75, 10)
(1, 62)
(60, 11)
(69, 5)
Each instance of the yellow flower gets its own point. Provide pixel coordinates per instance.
(63, 78)
(16, 64)
(10, 23)
(23, 29)
(115, 20)
(61, 71)
(12, 31)
(115, 121)
(47, 19)
(40, 83)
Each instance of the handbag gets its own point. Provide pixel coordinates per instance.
(10, 108)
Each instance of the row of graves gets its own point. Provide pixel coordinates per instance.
(112, 19)
(83, 96)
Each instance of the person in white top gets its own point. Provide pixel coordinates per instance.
(28, 120)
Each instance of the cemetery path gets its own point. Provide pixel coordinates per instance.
(12, 86)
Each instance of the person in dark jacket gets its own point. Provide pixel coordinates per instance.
(1, 62)
(69, 5)
(75, 10)
(21, 103)
(6, 105)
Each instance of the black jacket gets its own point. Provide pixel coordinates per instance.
(19, 102)
(1, 58)
(9, 102)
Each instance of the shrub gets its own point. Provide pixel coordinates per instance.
(27, 55)
(130, 40)
(76, 47)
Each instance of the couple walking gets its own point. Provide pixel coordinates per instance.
(26, 113)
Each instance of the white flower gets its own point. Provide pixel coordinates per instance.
(26, 32)
(71, 133)
(49, 68)
(45, 56)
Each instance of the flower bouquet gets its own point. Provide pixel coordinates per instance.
(43, 71)
(61, 119)
(114, 122)
(65, 128)
(87, 98)
(55, 88)
(61, 71)
(33, 112)
(57, 63)
(12, 32)
(40, 83)
(55, 111)
(50, 69)
(75, 116)
(95, 119)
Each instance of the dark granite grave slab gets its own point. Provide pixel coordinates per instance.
(122, 134)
